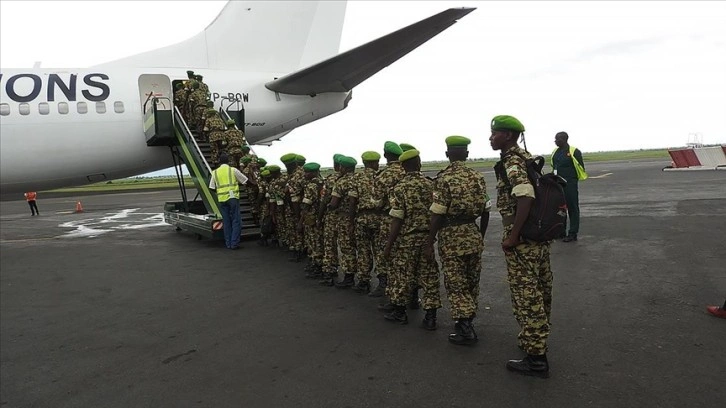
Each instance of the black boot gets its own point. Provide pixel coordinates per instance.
(327, 279)
(398, 315)
(380, 290)
(310, 266)
(296, 256)
(414, 303)
(536, 366)
(570, 238)
(386, 307)
(362, 287)
(429, 321)
(464, 333)
(348, 281)
(316, 272)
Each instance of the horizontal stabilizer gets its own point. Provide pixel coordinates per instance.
(344, 71)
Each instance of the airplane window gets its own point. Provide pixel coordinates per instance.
(4, 109)
(100, 107)
(63, 107)
(43, 108)
(118, 107)
(82, 107)
(24, 109)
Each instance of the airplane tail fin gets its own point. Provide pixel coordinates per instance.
(257, 36)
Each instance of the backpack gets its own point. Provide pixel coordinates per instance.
(547, 218)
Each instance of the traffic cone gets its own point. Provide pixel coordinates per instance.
(79, 207)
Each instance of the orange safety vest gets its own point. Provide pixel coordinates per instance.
(30, 196)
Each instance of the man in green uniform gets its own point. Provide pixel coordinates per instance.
(275, 199)
(196, 106)
(261, 204)
(203, 86)
(329, 221)
(528, 263)
(567, 163)
(312, 233)
(460, 197)
(386, 179)
(214, 129)
(410, 202)
(233, 137)
(346, 237)
(367, 219)
(293, 197)
(180, 98)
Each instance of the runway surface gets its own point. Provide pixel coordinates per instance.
(113, 308)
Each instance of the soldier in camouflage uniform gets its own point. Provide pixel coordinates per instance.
(254, 169)
(261, 204)
(346, 237)
(386, 179)
(460, 196)
(364, 207)
(528, 263)
(293, 198)
(203, 86)
(233, 137)
(180, 98)
(329, 221)
(275, 198)
(410, 202)
(214, 129)
(196, 106)
(309, 215)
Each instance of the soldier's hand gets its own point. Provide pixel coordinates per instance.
(511, 242)
(387, 253)
(429, 252)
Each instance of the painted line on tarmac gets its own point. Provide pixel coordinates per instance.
(600, 176)
(15, 241)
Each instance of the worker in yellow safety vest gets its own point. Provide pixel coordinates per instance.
(225, 181)
(567, 163)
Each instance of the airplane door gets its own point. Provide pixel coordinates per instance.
(156, 98)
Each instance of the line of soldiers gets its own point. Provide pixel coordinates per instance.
(387, 221)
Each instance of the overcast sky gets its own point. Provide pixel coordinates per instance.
(615, 75)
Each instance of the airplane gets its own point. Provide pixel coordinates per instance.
(282, 65)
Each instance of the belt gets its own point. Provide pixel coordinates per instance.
(458, 220)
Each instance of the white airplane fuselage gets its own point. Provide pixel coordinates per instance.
(47, 142)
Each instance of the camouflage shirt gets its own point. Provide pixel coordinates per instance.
(410, 201)
(362, 189)
(328, 185)
(460, 193)
(234, 137)
(213, 123)
(342, 188)
(311, 198)
(519, 184)
(387, 178)
(296, 185)
(197, 99)
(277, 190)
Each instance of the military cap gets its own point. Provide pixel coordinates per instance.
(406, 147)
(273, 168)
(311, 167)
(245, 159)
(230, 122)
(198, 77)
(347, 161)
(179, 85)
(246, 148)
(506, 122)
(457, 141)
(211, 110)
(336, 158)
(265, 172)
(300, 158)
(288, 158)
(393, 148)
(370, 156)
(408, 154)
(190, 74)
(261, 161)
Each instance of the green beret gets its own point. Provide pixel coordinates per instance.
(288, 158)
(260, 160)
(393, 148)
(346, 161)
(370, 156)
(300, 158)
(273, 168)
(245, 159)
(408, 154)
(311, 167)
(457, 141)
(506, 122)
(406, 147)
(211, 110)
(246, 148)
(265, 172)
(336, 158)
(231, 122)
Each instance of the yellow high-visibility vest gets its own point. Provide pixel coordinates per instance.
(581, 174)
(226, 182)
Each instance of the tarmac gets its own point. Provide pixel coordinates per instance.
(112, 308)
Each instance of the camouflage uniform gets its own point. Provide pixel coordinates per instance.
(331, 222)
(528, 265)
(277, 198)
(196, 106)
(214, 127)
(367, 223)
(346, 239)
(294, 191)
(180, 100)
(234, 139)
(313, 233)
(410, 202)
(386, 179)
(460, 196)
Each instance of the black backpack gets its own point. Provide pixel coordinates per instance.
(547, 219)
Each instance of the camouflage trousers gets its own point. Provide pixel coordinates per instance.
(367, 226)
(214, 136)
(346, 240)
(294, 238)
(411, 270)
(461, 280)
(530, 281)
(314, 239)
(280, 223)
(384, 267)
(330, 241)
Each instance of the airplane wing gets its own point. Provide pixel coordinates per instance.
(344, 71)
